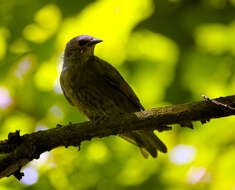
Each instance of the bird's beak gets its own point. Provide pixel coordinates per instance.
(95, 41)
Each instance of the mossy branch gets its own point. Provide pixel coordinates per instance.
(17, 150)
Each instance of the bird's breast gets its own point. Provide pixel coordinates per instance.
(70, 83)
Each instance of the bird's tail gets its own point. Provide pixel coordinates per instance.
(147, 141)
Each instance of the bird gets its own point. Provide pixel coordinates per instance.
(98, 91)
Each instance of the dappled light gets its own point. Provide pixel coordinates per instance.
(41, 161)
(215, 38)
(43, 80)
(97, 152)
(5, 98)
(182, 154)
(17, 121)
(169, 51)
(55, 112)
(30, 176)
(23, 67)
(3, 42)
(197, 174)
(156, 56)
(46, 22)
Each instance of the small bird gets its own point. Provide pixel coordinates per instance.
(98, 91)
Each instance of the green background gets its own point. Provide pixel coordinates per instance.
(170, 52)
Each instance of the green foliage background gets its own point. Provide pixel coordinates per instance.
(169, 51)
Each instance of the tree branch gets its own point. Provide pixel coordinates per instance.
(18, 150)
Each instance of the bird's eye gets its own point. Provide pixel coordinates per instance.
(83, 42)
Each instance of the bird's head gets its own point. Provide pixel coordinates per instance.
(81, 47)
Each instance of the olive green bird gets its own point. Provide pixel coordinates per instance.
(98, 90)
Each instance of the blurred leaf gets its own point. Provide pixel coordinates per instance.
(172, 51)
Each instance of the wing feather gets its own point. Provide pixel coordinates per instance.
(117, 81)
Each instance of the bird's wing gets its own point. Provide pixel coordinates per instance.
(116, 81)
(66, 96)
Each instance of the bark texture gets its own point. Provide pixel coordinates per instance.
(18, 150)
